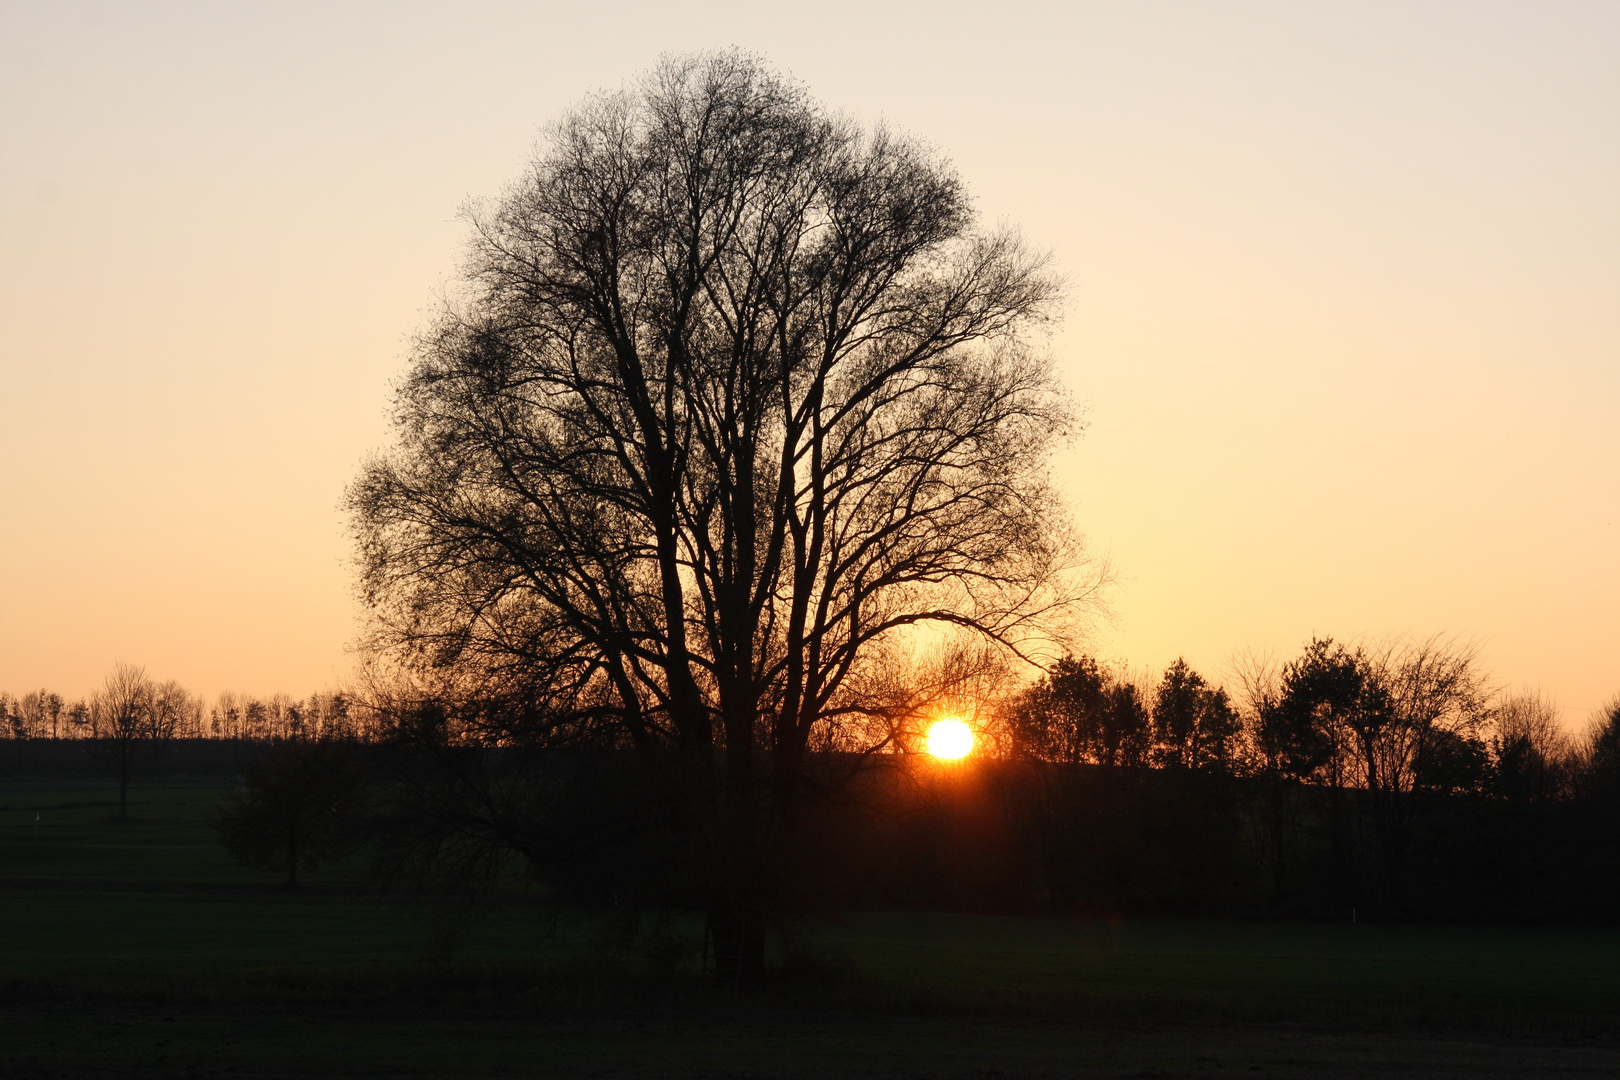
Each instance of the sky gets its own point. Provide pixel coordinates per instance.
(1343, 316)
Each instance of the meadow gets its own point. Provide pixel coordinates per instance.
(141, 948)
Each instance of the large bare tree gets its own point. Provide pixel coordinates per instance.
(736, 400)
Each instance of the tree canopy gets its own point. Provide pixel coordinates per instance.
(737, 393)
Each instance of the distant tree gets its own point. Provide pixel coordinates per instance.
(1175, 715)
(330, 716)
(292, 723)
(1295, 727)
(1453, 764)
(1381, 723)
(1437, 697)
(1600, 756)
(1305, 732)
(1194, 724)
(225, 718)
(1273, 821)
(78, 719)
(1127, 731)
(1595, 788)
(1219, 730)
(300, 804)
(1532, 758)
(42, 714)
(1326, 694)
(255, 718)
(176, 713)
(131, 712)
(1081, 713)
(1060, 718)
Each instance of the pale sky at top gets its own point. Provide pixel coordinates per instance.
(1345, 300)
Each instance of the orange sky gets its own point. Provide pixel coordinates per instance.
(1345, 316)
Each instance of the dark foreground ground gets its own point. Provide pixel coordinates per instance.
(138, 949)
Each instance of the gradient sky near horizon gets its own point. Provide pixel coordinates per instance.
(1345, 309)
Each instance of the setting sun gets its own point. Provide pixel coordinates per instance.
(950, 740)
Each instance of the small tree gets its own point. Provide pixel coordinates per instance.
(1127, 732)
(1082, 714)
(298, 808)
(1061, 717)
(79, 720)
(131, 711)
(1194, 724)
(1325, 695)
(1389, 724)
(1596, 767)
(1532, 756)
(42, 712)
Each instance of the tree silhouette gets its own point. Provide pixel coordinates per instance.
(1194, 723)
(737, 396)
(299, 806)
(1600, 763)
(131, 711)
(1062, 717)
(1532, 754)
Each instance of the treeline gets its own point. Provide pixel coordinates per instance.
(130, 704)
(1350, 781)
(1391, 720)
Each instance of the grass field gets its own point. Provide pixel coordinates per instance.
(140, 948)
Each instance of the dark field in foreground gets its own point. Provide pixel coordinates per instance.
(140, 948)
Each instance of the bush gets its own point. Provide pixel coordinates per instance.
(300, 806)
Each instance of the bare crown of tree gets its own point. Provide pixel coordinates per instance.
(736, 394)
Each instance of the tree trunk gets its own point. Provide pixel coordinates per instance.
(123, 781)
(737, 940)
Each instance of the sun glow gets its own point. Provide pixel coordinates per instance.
(950, 740)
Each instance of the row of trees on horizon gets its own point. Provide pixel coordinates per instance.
(1399, 717)
(1390, 780)
(1406, 716)
(130, 704)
